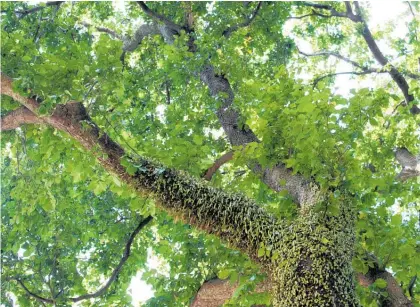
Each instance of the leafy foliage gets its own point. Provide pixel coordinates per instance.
(65, 221)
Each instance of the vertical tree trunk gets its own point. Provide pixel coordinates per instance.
(314, 267)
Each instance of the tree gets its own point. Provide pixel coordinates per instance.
(108, 124)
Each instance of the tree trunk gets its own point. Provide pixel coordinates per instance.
(314, 267)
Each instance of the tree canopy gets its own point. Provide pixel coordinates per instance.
(218, 138)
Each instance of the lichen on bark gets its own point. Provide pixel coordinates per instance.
(314, 264)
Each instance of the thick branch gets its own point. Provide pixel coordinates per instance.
(410, 164)
(18, 117)
(234, 218)
(396, 296)
(117, 270)
(159, 17)
(247, 22)
(214, 292)
(217, 164)
(302, 191)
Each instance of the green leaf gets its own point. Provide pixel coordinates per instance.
(224, 274)
(380, 283)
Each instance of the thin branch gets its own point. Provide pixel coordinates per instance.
(379, 56)
(359, 73)
(414, 16)
(339, 56)
(113, 33)
(18, 117)
(34, 295)
(217, 164)
(37, 8)
(117, 270)
(159, 17)
(333, 11)
(314, 13)
(373, 47)
(412, 75)
(247, 22)
(411, 286)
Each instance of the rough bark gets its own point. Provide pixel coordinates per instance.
(320, 274)
(303, 191)
(19, 117)
(215, 292)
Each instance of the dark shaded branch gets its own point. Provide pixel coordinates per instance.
(373, 47)
(247, 22)
(159, 17)
(37, 8)
(396, 296)
(217, 164)
(379, 56)
(114, 274)
(412, 75)
(34, 295)
(308, 15)
(333, 11)
(411, 286)
(18, 117)
(117, 270)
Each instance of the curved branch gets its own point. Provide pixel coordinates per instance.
(214, 292)
(247, 22)
(379, 56)
(117, 270)
(339, 56)
(37, 8)
(34, 295)
(217, 164)
(396, 296)
(113, 33)
(159, 17)
(18, 117)
(359, 73)
(357, 17)
(333, 11)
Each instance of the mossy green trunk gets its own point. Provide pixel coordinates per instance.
(314, 267)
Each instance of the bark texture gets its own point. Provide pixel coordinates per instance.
(308, 261)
